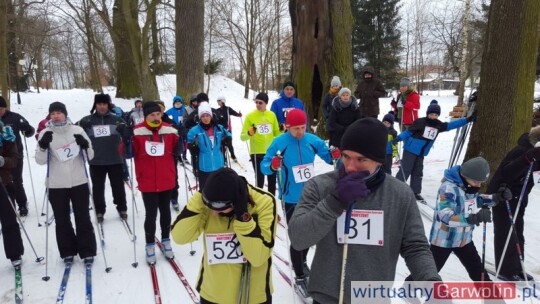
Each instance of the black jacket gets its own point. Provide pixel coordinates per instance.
(107, 149)
(223, 115)
(18, 124)
(513, 169)
(340, 118)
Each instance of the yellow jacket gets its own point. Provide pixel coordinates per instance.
(265, 122)
(220, 283)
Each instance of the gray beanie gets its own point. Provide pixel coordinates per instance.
(344, 90)
(404, 82)
(335, 81)
(476, 169)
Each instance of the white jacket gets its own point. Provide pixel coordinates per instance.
(68, 173)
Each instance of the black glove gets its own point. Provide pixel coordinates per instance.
(503, 194)
(472, 117)
(281, 127)
(227, 140)
(45, 140)
(194, 149)
(26, 129)
(241, 203)
(85, 124)
(124, 130)
(81, 141)
(533, 154)
(483, 216)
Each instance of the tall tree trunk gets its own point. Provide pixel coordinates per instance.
(322, 46)
(507, 79)
(464, 52)
(189, 46)
(4, 58)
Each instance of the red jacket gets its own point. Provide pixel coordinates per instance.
(410, 108)
(155, 173)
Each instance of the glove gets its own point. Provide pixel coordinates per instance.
(472, 117)
(26, 129)
(277, 162)
(252, 130)
(335, 152)
(194, 149)
(533, 154)
(227, 140)
(503, 194)
(124, 130)
(81, 141)
(351, 187)
(281, 127)
(45, 140)
(240, 206)
(483, 216)
(239, 114)
(2, 161)
(395, 141)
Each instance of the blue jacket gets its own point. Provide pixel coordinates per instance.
(177, 115)
(450, 228)
(210, 155)
(294, 152)
(414, 139)
(284, 104)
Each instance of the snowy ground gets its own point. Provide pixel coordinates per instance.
(125, 284)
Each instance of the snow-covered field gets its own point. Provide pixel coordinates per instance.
(125, 284)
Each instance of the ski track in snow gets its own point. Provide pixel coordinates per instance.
(125, 284)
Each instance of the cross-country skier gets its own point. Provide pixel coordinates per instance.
(285, 103)
(238, 224)
(224, 114)
(407, 104)
(63, 147)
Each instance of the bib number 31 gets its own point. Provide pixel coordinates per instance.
(367, 227)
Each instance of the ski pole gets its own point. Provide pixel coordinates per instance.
(287, 239)
(31, 179)
(84, 157)
(247, 145)
(483, 252)
(38, 258)
(401, 168)
(133, 206)
(44, 202)
(188, 186)
(46, 277)
(512, 227)
(345, 252)
(248, 279)
(242, 279)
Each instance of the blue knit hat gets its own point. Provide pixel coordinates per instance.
(389, 117)
(434, 108)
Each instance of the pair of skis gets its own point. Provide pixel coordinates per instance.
(65, 278)
(179, 273)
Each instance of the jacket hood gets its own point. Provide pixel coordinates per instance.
(452, 175)
(338, 107)
(368, 69)
(524, 141)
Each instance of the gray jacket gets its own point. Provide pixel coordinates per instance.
(314, 223)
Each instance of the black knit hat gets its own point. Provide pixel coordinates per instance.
(262, 96)
(150, 107)
(202, 97)
(58, 106)
(434, 108)
(289, 84)
(367, 136)
(3, 103)
(225, 185)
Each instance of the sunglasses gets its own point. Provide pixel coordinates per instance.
(216, 205)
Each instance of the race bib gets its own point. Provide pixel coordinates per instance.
(536, 177)
(286, 111)
(154, 148)
(302, 173)
(430, 133)
(68, 151)
(470, 207)
(264, 129)
(367, 227)
(102, 130)
(223, 248)
(138, 120)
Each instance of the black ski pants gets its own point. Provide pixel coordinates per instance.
(467, 255)
(116, 178)
(411, 165)
(17, 172)
(298, 257)
(154, 201)
(82, 240)
(11, 234)
(501, 225)
(256, 160)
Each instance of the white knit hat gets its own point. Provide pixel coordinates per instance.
(335, 81)
(204, 108)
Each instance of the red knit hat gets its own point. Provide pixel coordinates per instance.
(295, 117)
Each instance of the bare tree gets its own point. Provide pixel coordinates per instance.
(4, 87)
